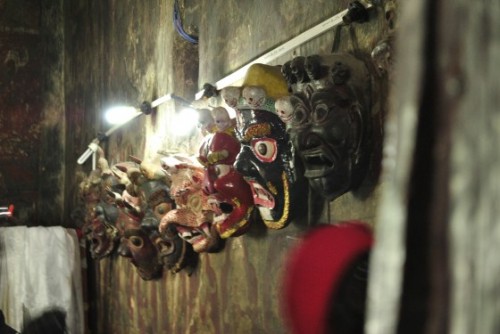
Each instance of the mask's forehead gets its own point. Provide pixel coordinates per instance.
(259, 123)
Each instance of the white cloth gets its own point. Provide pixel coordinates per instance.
(40, 268)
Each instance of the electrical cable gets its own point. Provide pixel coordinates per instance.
(178, 26)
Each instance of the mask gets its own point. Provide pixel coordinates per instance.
(266, 157)
(330, 125)
(175, 253)
(195, 228)
(136, 245)
(265, 161)
(193, 218)
(229, 196)
(101, 231)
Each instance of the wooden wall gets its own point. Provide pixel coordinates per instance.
(434, 268)
(32, 111)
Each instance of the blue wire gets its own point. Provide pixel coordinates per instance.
(178, 26)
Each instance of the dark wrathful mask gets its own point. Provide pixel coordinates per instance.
(266, 163)
(330, 121)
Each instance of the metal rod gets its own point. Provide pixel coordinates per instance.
(281, 49)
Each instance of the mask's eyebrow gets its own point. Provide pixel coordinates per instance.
(257, 131)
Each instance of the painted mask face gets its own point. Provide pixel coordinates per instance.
(265, 161)
(193, 218)
(186, 183)
(101, 232)
(330, 127)
(155, 202)
(136, 245)
(143, 254)
(230, 196)
(197, 229)
(174, 252)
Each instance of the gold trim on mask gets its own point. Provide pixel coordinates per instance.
(257, 131)
(272, 188)
(230, 231)
(276, 225)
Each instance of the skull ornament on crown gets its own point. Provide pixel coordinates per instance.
(266, 158)
(330, 123)
(231, 96)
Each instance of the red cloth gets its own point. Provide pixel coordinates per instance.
(314, 270)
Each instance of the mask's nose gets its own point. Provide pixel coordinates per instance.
(244, 162)
(123, 249)
(150, 221)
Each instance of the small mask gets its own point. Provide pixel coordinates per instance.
(174, 252)
(193, 218)
(101, 232)
(136, 245)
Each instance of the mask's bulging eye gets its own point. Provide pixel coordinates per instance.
(300, 116)
(221, 170)
(136, 241)
(265, 149)
(321, 113)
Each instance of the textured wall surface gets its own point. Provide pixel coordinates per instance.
(32, 110)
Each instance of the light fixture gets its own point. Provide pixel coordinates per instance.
(184, 122)
(123, 115)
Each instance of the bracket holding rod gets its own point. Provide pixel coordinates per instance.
(145, 108)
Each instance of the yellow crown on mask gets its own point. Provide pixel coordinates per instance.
(261, 86)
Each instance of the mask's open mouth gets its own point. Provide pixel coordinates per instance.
(221, 210)
(318, 162)
(263, 199)
(197, 236)
(261, 196)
